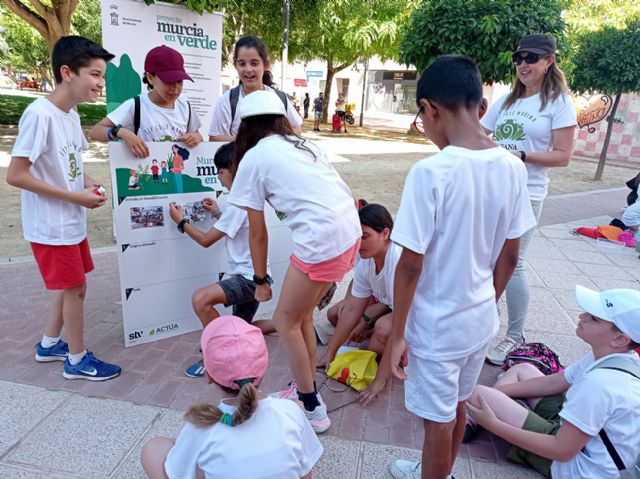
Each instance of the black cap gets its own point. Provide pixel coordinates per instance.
(539, 43)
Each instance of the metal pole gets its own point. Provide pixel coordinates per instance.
(364, 87)
(285, 46)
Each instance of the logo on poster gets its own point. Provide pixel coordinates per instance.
(135, 335)
(186, 35)
(114, 19)
(163, 329)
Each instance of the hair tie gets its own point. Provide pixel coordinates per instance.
(227, 419)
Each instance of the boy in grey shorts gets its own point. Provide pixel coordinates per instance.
(238, 288)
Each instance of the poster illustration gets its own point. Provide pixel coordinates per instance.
(160, 268)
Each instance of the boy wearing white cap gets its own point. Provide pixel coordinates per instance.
(602, 394)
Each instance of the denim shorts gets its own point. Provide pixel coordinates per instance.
(240, 293)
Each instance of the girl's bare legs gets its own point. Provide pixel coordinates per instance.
(292, 319)
(154, 454)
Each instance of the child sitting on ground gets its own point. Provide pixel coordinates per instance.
(238, 288)
(560, 437)
(252, 435)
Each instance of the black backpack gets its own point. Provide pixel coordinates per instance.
(136, 114)
(234, 96)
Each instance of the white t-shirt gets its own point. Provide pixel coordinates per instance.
(597, 399)
(221, 119)
(631, 215)
(366, 282)
(157, 123)
(311, 198)
(277, 442)
(457, 209)
(235, 225)
(53, 141)
(523, 127)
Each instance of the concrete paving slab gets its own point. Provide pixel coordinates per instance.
(23, 408)
(554, 265)
(167, 424)
(491, 470)
(340, 458)
(14, 472)
(375, 460)
(97, 435)
(556, 280)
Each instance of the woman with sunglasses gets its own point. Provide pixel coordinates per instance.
(535, 121)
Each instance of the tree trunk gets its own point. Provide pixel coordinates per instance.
(607, 138)
(331, 72)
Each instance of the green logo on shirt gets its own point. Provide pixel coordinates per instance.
(74, 171)
(509, 130)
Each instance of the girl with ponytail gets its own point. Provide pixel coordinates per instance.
(250, 435)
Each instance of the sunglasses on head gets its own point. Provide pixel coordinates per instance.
(530, 59)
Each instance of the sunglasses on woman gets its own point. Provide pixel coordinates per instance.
(530, 59)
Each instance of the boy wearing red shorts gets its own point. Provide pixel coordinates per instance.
(47, 165)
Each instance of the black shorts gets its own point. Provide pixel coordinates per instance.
(340, 114)
(240, 293)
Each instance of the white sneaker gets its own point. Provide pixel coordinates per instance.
(319, 419)
(498, 353)
(401, 469)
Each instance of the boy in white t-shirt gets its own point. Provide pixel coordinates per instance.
(561, 437)
(47, 165)
(163, 114)
(237, 289)
(460, 219)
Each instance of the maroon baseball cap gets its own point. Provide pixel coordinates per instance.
(166, 63)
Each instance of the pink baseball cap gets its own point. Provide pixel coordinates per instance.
(166, 63)
(234, 351)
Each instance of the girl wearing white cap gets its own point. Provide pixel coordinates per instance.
(275, 165)
(536, 122)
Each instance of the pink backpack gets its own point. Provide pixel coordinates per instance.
(538, 354)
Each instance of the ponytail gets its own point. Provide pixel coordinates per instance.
(205, 415)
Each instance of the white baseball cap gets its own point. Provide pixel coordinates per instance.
(261, 102)
(618, 306)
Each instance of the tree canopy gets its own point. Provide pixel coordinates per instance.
(485, 30)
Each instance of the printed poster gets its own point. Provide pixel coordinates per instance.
(159, 267)
(130, 28)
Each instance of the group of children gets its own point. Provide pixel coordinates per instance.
(421, 286)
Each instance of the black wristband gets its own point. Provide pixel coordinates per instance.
(523, 156)
(368, 320)
(181, 225)
(113, 132)
(265, 280)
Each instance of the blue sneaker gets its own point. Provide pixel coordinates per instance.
(195, 370)
(57, 352)
(90, 368)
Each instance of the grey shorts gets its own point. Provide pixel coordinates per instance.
(240, 293)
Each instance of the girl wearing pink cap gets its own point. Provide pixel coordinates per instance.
(252, 435)
(163, 115)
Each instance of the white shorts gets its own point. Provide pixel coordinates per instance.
(433, 388)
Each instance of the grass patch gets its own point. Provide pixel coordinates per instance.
(12, 106)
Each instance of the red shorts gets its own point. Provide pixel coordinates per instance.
(331, 270)
(64, 266)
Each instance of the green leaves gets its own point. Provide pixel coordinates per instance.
(485, 30)
(608, 60)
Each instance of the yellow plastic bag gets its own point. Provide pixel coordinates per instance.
(355, 368)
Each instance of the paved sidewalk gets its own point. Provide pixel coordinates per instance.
(58, 428)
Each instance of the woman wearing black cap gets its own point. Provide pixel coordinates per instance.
(536, 121)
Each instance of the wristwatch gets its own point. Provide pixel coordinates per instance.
(260, 281)
(368, 320)
(523, 156)
(181, 225)
(113, 132)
